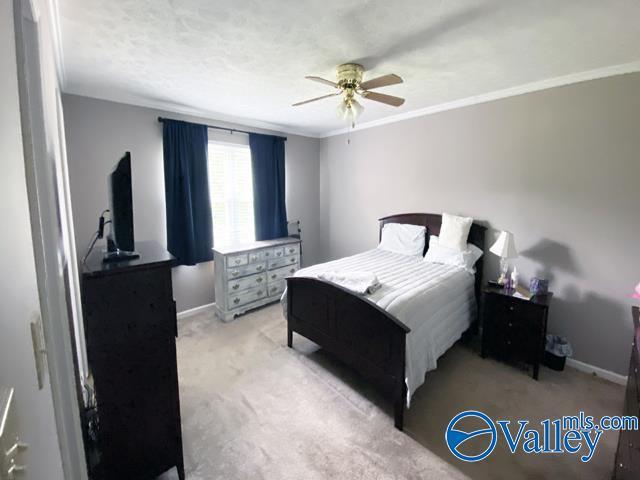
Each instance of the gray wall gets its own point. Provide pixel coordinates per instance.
(559, 168)
(99, 132)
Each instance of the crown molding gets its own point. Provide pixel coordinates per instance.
(170, 107)
(496, 95)
(56, 34)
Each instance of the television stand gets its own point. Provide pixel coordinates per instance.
(130, 330)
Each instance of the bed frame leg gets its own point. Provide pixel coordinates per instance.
(289, 337)
(398, 406)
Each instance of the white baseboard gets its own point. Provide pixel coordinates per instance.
(193, 311)
(600, 372)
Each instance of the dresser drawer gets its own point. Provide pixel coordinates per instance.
(248, 296)
(516, 315)
(237, 260)
(514, 329)
(282, 261)
(281, 273)
(246, 283)
(256, 256)
(293, 249)
(251, 269)
(277, 287)
(276, 252)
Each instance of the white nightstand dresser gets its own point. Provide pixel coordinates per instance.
(252, 275)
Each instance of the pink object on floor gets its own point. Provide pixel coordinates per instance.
(636, 294)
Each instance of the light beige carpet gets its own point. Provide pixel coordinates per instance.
(254, 409)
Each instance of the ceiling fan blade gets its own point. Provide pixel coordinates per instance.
(383, 81)
(322, 80)
(382, 98)
(317, 98)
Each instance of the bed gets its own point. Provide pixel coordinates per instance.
(395, 335)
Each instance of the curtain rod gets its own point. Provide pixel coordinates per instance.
(227, 129)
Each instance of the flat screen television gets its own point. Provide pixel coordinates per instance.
(120, 241)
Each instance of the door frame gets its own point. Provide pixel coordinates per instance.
(53, 253)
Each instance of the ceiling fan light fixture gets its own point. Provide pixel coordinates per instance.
(350, 84)
(356, 108)
(349, 109)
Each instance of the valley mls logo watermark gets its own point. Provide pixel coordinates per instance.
(471, 435)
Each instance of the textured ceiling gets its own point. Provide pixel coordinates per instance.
(247, 59)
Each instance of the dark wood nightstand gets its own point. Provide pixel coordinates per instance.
(513, 328)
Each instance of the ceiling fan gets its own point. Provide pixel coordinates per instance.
(350, 83)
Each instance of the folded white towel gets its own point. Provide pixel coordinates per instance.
(362, 283)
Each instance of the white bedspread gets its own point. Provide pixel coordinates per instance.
(437, 302)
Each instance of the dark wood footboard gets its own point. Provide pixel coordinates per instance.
(353, 329)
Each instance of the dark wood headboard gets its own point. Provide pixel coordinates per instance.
(433, 222)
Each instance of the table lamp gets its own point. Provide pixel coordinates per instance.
(505, 248)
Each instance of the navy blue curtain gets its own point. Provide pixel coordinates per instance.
(189, 222)
(267, 164)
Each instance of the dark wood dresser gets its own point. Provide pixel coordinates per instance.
(130, 329)
(627, 465)
(514, 329)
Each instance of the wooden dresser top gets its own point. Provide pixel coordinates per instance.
(227, 249)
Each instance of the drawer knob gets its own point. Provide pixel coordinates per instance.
(291, 250)
(236, 286)
(236, 300)
(259, 292)
(237, 261)
(259, 267)
(235, 273)
(259, 279)
(292, 270)
(279, 254)
(293, 260)
(273, 289)
(273, 277)
(266, 254)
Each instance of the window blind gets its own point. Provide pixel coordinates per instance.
(231, 191)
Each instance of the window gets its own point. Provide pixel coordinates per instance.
(231, 190)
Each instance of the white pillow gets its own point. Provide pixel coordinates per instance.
(403, 238)
(466, 259)
(454, 231)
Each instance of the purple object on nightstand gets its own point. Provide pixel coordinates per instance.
(539, 286)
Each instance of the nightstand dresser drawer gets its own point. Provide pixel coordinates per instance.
(292, 249)
(282, 262)
(282, 273)
(237, 260)
(256, 256)
(246, 283)
(274, 253)
(247, 270)
(247, 296)
(277, 288)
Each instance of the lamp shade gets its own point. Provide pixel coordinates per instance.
(505, 246)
